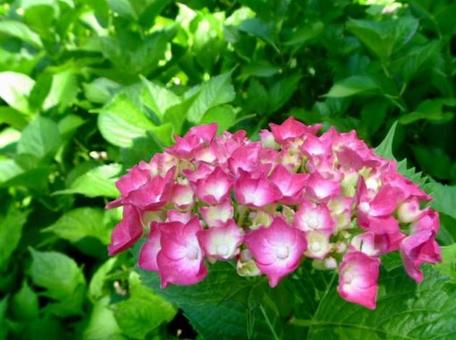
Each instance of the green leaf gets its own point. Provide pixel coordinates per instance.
(97, 182)
(223, 115)
(404, 310)
(443, 197)
(10, 234)
(217, 307)
(282, 90)
(385, 149)
(40, 138)
(101, 90)
(79, 223)
(123, 8)
(143, 311)
(101, 323)
(121, 121)
(62, 280)
(434, 161)
(19, 30)
(216, 91)
(63, 91)
(159, 98)
(3, 323)
(432, 110)
(24, 303)
(14, 90)
(96, 285)
(354, 85)
(448, 264)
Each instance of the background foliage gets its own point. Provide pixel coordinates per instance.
(89, 87)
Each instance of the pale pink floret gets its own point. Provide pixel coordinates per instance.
(185, 147)
(183, 196)
(149, 250)
(314, 217)
(180, 259)
(409, 211)
(255, 192)
(202, 171)
(417, 249)
(221, 243)
(178, 216)
(277, 250)
(204, 133)
(215, 188)
(292, 128)
(322, 188)
(127, 232)
(358, 275)
(316, 146)
(246, 158)
(267, 139)
(160, 164)
(290, 184)
(217, 215)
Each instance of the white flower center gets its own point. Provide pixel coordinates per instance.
(222, 249)
(315, 246)
(282, 252)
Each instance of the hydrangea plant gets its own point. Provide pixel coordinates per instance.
(295, 195)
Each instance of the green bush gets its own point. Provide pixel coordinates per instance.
(90, 87)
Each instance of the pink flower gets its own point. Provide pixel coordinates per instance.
(313, 217)
(409, 211)
(180, 259)
(290, 184)
(255, 192)
(196, 138)
(291, 128)
(149, 251)
(204, 133)
(182, 196)
(316, 146)
(217, 215)
(429, 220)
(277, 250)
(358, 275)
(178, 216)
(321, 188)
(154, 194)
(417, 249)
(221, 242)
(127, 232)
(215, 188)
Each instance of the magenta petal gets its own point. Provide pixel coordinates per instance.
(358, 275)
(417, 249)
(127, 232)
(256, 192)
(149, 251)
(277, 250)
(181, 259)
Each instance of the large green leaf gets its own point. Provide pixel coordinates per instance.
(62, 280)
(40, 138)
(14, 90)
(218, 307)
(96, 182)
(216, 91)
(81, 222)
(10, 234)
(21, 31)
(25, 303)
(353, 86)
(404, 310)
(143, 311)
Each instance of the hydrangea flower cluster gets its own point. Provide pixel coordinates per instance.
(266, 205)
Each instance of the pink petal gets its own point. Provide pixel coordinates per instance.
(277, 250)
(255, 192)
(358, 275)
(221, 242)
(215, 188)
(417, 249)
(290, 184)
(313, 217)
(217, 215)
(149, 251)
(127, 232)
